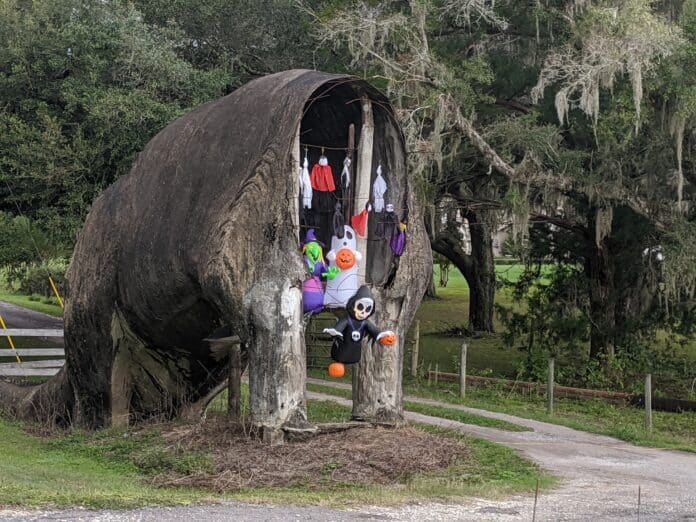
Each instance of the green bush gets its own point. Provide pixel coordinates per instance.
(33, 279)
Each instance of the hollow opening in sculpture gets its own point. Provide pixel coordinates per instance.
(325, 131)
(359, 139)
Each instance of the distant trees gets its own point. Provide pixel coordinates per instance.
(84, 84)
(576, 118)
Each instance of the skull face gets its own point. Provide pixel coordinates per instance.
(363, 308)
(355, 336)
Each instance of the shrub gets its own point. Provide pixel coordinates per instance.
(33, 278)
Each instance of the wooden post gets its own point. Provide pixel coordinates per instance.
(549, 387)
(437, 371)
(414, 352)
(648, 402)
(348, 208)
(363, 176)
(295, 155)
(429, 368)
(234, 396)
(462, 371)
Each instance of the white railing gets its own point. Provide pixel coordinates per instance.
(43, 360)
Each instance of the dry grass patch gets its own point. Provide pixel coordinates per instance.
(371, 455)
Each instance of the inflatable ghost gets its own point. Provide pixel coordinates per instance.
(343, 254)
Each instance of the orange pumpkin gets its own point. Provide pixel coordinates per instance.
(337, 370)
(388, 340)
(345, 259)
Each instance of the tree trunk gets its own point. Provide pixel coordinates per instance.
(600, 274)
(430, 290)
(377, 393)
(482, 281)
(478, 269)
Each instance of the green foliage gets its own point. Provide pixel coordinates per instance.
(85, 85)
(31, 279)
(16, 240)
(550, 318)
(551, 322)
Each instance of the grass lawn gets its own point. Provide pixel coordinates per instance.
(450, 313)
(114, 468)
(24, 301)
(37, 472)
(670, 430)
(435, 411)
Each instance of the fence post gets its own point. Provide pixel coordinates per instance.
(437, 371)
(414, 352)
(9, 340)
(462, 371)
(648, 402)
(549, 387)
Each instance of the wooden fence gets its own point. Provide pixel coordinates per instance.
(33, 362)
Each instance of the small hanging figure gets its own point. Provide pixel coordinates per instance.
(398, 240)
(312, 289)
(345, 174)
(359, 221)
(349, 332)
(322, 176)
(344, 255)
(323, 185)
(379, 188)
(386, 223)
(306, 184)
(338, 222)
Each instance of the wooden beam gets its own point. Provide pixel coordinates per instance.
(31, 332)
(32, 352)
(51, 363)
(28, 372)
(295, 155)
(363, 175)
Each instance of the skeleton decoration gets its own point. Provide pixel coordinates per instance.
(349, 332)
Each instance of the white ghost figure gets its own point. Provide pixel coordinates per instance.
(344, 255)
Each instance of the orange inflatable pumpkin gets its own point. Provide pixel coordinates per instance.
(345, 259)
(337, 370)
(388, 340)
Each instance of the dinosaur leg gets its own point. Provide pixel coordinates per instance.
(277, 366)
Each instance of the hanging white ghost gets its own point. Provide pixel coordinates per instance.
(379, 188)
(344, 255)
(305, 184)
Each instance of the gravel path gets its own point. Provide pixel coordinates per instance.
(18, 317)
(600, 477)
